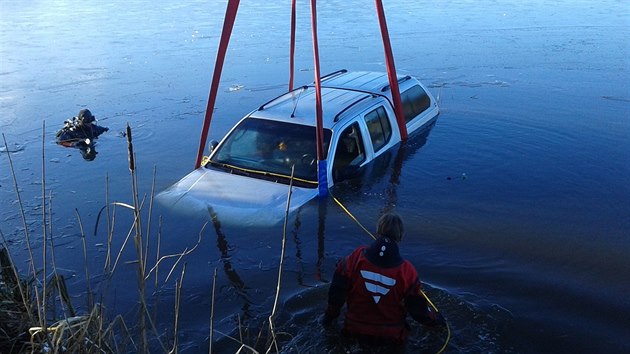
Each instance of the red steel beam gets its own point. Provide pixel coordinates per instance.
(292, 50)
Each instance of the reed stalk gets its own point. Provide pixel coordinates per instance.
(178, 295)
(67, 305)
(138, 241)
(25, 225)
(243, 345)
(15, 319)
(179, 256)
(45, 241)
(16, 277)
(107, 266)
(274, 342)
(90, 333)
(90, 302)
(122, 248)
(157, 251)
(214, 286)
(148, 233)
(240, 328)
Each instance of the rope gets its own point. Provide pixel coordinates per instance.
(353, 218)
(448, 329)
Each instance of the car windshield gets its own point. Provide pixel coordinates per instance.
(268, 149)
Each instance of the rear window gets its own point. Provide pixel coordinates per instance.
(415, 101)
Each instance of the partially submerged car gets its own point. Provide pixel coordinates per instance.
(246, 176)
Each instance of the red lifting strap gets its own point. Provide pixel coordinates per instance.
(319, 132)
(228, 24)
(318, 91)
(391, 71)
(292, 50)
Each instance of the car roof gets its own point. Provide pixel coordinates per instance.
(342, 92)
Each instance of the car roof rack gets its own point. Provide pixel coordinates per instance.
(332, 74)
(338, 115)
(402, 79)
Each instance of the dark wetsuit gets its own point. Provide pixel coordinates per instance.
(380, 288)
(78, 129)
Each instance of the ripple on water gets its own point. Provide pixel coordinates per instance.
(472, 329)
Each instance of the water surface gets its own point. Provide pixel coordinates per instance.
(516, 202)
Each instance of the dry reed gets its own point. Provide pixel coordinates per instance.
(28, 305)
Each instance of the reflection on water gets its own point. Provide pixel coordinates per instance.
(321, 232)
(405, 150)
(237, 283)
(298, 248)
(87, 149)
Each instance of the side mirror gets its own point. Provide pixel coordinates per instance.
(213, 145)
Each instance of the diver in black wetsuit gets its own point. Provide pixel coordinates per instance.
(79, 129)
(80, 132)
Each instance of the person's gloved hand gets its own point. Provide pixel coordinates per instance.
(437, 320)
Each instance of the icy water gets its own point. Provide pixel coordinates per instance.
(517, 202)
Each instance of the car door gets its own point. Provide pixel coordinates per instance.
(350, 152)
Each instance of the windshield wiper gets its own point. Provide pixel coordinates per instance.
(271, 176)
(231, 168)
(223, 166)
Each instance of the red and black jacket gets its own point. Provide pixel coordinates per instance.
(380, 288)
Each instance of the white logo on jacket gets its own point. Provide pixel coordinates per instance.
(377, 284)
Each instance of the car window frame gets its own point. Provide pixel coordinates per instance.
(384, 117)
(425, 102)
(368, 153)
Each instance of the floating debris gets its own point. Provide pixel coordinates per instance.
(16, 148)
(463, 177)
(235, 88)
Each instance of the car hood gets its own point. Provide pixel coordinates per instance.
(235, 199)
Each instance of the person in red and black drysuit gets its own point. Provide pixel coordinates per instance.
(380, 288)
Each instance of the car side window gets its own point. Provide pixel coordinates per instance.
(349, 153)
(415, 101)
(379, 127)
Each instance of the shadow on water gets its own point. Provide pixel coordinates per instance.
(321, 238)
